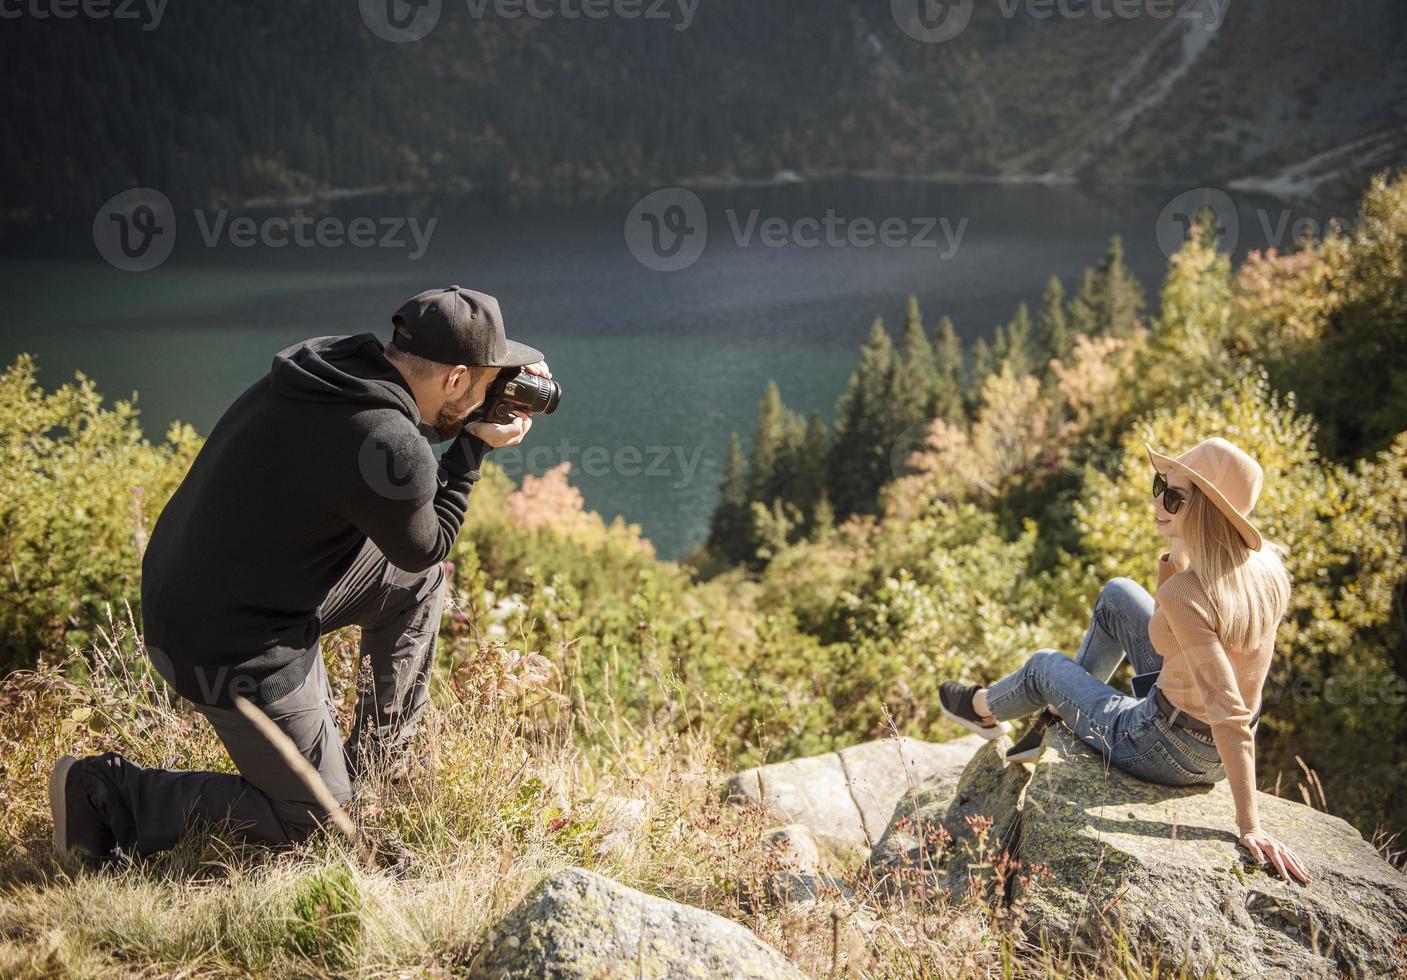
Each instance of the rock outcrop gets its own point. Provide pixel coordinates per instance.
(846, 798)
(577, 924)
(1163, 865)
(937, 828)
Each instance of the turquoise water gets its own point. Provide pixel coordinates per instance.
(657, 368)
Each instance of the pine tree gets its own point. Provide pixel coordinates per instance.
(998, 348)
(1052, 330)
(728, 530)
(1121, 293)
(1018, 342)
(810, 466)
(1086, 307)
(859, 456)
(768, 446)
(791, 482)
(777, 447)
(1110, 299)
(917, 377)
(948, 366)
(1191, 333)
(979, 368)
(918, 351)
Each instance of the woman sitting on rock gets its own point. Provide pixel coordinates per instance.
(1208, 636)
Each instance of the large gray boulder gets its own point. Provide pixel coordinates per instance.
(1163, 865)
(942, 825)
(846, 798)
(577, 924)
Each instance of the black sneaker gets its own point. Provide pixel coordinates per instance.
(76, 797)
(956, 701)
(1028, 749)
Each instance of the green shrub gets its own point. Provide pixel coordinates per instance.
(79, 489)
(325, 922)
(1330, 322)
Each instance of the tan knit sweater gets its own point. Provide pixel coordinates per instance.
(1219, 686)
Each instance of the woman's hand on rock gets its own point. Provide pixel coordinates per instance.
(1264, 848)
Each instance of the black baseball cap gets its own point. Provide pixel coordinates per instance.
(455, 325)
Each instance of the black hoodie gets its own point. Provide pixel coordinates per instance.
(323, 453)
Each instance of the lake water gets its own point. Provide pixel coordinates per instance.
(657, 368)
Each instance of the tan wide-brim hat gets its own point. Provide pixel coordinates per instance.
(1230, 479)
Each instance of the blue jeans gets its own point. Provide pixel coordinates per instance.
(1130, 732)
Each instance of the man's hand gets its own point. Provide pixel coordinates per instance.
(539, 368)
(1265, 848)
(510, 433)
(507, 434)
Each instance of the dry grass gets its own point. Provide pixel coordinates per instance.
(509, 782)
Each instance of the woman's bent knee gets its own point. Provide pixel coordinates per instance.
(1042, 664)
(1118, 587)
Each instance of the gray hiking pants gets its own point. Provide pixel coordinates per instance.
(399, 613)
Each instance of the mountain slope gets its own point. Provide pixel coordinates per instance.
(222, 103)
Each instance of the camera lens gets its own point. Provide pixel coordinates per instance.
(553, 393)
(523, 392)
(537, 394)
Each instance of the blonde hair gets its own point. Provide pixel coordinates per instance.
(1249, 590)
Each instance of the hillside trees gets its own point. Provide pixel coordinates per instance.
(1040, 484)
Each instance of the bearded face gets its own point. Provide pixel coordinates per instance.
(450, 419)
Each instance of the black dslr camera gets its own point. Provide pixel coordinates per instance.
(515, 390)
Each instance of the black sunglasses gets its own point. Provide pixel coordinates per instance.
(1173, 498)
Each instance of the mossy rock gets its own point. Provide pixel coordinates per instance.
(1161, 864)
(1164, 865)
(577, 924)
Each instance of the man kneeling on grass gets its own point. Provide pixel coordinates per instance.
(316, 503)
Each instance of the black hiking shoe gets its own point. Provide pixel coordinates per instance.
(1028, 749)
(956, 701)
(78, 800)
